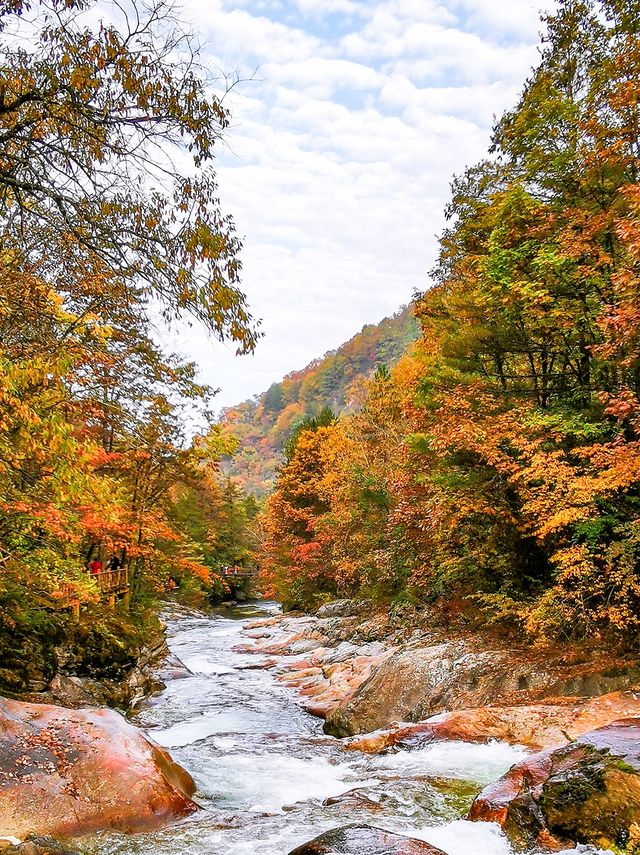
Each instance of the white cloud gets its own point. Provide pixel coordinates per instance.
(340, 154)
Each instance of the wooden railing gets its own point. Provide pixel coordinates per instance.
(238, 574)
(112, 581)
(67, 592)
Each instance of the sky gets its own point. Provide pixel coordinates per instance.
(350, 120)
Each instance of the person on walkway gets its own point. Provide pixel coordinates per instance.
(95, 567)
(114, 564)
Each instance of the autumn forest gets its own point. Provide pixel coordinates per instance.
(495, 469)
(101, 236)
(483, 458)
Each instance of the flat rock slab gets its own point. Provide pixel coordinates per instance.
(364, 840)
(544, 725)
(67, 772)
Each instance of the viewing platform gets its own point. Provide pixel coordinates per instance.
(112, 584)
(238, 574)
(238, 581)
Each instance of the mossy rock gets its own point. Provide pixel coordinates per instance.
(586, 792)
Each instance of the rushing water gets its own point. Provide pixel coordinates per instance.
(264, 768)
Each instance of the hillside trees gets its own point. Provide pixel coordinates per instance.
(296, 563)
(265, 425)
(100, 231)
(508, 477)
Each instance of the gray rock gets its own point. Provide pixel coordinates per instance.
(364, 840)
(344, 608)
(417, 682)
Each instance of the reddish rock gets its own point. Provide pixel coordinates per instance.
(418, 681)
(537, 726)
(323, 683)
(258, 666)
(259, 623)
(587, 791)
(68, 772)
(364, 840)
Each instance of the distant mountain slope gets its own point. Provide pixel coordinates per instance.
(263, 424)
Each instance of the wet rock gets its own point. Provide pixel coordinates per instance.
(172, 668)
(68, 772)
(278, 637)
(537, 726)
(364, 840)
(262, 622)
(264, 665)
(304, 645)
(352, 799)
(417, 682)
(40, 845)
(586, 792)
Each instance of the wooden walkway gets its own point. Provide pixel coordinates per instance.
(111, 583)
(241, 574)
(114, 585)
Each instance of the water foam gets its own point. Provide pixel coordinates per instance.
(471, 762)
(270, 782)
(193, 730)
(462, 838)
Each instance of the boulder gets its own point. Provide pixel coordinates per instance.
(586, 792)
(345, 608)
(545, 725)
(69, 772)
(416, 682)
(364, 840)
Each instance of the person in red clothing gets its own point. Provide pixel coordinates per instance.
(95, 566)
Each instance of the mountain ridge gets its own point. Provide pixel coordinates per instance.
(336, 380)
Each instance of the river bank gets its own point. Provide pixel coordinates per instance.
(361, 669)
(108, 658)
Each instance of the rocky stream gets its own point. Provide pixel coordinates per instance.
(269, 779)
(448, 747)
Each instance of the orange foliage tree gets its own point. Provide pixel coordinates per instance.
(499, 464)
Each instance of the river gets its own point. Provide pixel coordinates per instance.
(264, 768)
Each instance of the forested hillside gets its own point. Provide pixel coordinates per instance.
(496, 469)
(96, 470)
(336, 381)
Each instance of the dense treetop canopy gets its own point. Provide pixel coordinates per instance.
(108, 131)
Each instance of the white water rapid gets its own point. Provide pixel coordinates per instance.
(264, 767)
